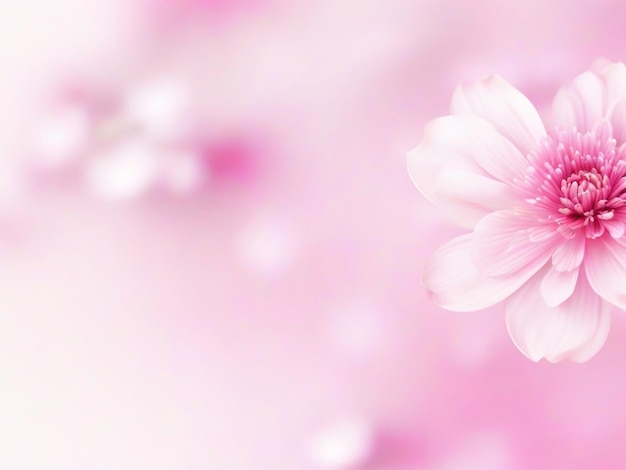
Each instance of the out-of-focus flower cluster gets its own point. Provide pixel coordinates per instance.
(124, 147)
(252, 299)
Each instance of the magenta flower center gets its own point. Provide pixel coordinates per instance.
(578, 181)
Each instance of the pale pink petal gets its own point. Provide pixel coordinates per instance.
(504, 107)
(570, 253)
(468, 197)
(602, 130)
(463, 196)
(445, 171)
(557, 286)
(454, 283)
(581, 104)
(501, 243)
(617, 117)
(605, 266)
(576, 329)
(614, 75)
(614, 227)
(541, 232)
(591, 348)
(477, 139)
(599, 65)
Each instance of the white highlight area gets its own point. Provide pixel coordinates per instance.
(346, 444)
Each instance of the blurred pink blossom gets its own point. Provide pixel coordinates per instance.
(127, 144)
(546, 209)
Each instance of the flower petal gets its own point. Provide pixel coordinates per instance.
(614, 75)
(557, 286)
(454, 283)
(614, 227)
(570, 253)
(595, 343)
(605, 266)
(617, 117)
(444, 169)
(504, 107)
(480, 141)
(581, 104)
(574, 330)
(501, 244)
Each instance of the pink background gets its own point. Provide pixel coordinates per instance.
(272, 316)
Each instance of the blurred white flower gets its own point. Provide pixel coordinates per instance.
(147, 140)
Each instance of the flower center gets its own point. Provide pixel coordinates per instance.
(578, 181)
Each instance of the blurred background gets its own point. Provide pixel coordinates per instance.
(211, 251)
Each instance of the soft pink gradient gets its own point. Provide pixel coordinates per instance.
(274, 319)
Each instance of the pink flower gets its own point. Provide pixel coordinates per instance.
(546, 205)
